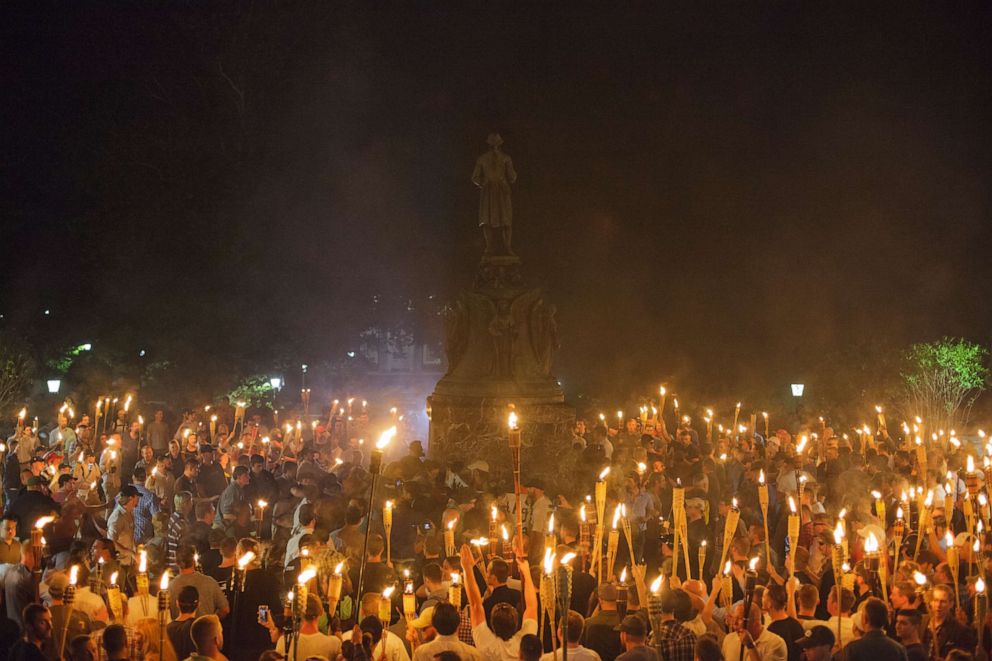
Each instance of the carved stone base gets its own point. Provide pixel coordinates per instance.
(469, 428)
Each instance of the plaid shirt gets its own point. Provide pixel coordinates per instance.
(135, 644)
(465, 627)
(674, 642)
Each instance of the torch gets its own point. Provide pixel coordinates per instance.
(737, 415)
(625, 524)
(386, 606)
(729, 529)
(880, 415)
(898, 531)
(375, 466)
(953, 563)
(508, 554)
(260, 515)
(678, 513)
(727, 585)
(879, 506)
(493, 533)
(300, 606)
(873, 561)
(547, 595)
(239, 574)
(661, 403)
(764, 414)
(981, 608)
(563, 590)
(114, 599)
(701, 553)
(514, 441)
(612, 542)
(584, 540)
(409, 597)
(793, 536)
(387, 525)
(763, 503)
(600, 520)
(449, 538)
(921, 526)
(455, 591)
(163, 609)
(550, 540)
(622, 593)
(68, 598)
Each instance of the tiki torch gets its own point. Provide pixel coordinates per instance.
(729, 529)
(260, 515)
(68, 598)
(763, 503)
(114, 599)
(375, 466)
(597, 557)
(163, 609)
(898, 531)
(793, 536)
(493, 533)
(387, 525)
(514, 441)
(612, 542)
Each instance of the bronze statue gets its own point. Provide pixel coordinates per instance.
(493, 174)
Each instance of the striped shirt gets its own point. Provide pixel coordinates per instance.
(178, 527)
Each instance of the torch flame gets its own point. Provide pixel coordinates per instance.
(388, 592)
(761, 476)
(551, 523)
(306, 575)
(656, 584)
(511, 420)
(919, 578)
(142, 561)
(871, 544)
(603, 473)
(43, 521)
(980, 585)
(246, 559)
(164, 583)
(113, 578)
(567, 558)
(339, 567)
(503, 531)
(73, 574)
(455, 578)
(386, 437)
(792, 505)
(753, 564)
(493, 512)
(838, 533)
(970, 464)
(727, 567)
(582, 513)
(616, 517)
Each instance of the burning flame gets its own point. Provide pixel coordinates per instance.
(871, 544)
(761, 476)
(43, 521)
(753, 564)
(656, 584)
(338, 568)
(919, 578)
(113, 578)
(727, 567)
(567, 558)
(456, 578)
(262, 504)
(549, 561)
(616, 516)
(305, 576)
(582, 513)
(142, 561)
(506, 535)
(792, 505)
(899, 513)
(876, 495)
(385, 438)
(838, 533)
(451, 524)
(494, 512)
(979, 585)
(388, 592)
(73, 574)
(511, 420)
(246, 559)
(551, 523)
(604, 473)
(164, 583)
(970, 464)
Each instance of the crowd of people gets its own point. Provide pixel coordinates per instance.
(244, 539)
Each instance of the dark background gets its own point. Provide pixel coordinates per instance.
(728, 198)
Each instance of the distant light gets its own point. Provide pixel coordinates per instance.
(47, 312)
(303, 367)
(86, 347)
(54, 385)
(275, 382)
(797, 389)
(141, 354)
(350, 354)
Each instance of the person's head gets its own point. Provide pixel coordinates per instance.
(575, 624)
(809, 598)
(205, 512)
(192, 467)
(147, 453)
(9, 529)
(37, 622)
(138, 475)
(817, 644)
(531, 648)
(82, 648)
(115, 641)
(633, 631)
(774, 598)
(846, 601)
(941, 598)
(376, 546)
(503, 620)
(737, 621)
(875, 614)
(206, 634)
(183, 502)
(445, 619)
(308, 515)
(607, 594)
(908, 625)
(707, 649)
(313, 609)
(257, 464)
(432, 576)
(499, 572)
(185, 556)
(189, 599)
(241, 476)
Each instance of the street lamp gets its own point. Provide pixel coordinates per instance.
(276, 383)
(53, 386)
(797, 389)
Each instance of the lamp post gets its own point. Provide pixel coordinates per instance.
(53, 386)
(375, 467)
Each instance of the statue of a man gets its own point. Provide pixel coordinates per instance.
(493, 174)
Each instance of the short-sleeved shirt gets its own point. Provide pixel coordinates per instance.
(212, 600)
(494, 648)
(642, 653)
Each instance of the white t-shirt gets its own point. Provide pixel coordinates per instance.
(494, 648)
(771, 647)
(313, 644)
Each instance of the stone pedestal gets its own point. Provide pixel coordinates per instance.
(500, 340)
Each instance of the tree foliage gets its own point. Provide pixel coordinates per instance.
(943, 379)
(16, 369)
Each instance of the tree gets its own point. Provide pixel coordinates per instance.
(943, 379)
(16, 369)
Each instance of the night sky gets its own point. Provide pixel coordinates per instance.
(725, 196)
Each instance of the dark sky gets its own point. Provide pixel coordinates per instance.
(719, 194)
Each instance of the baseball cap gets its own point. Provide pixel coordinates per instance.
(816, 637)
(634, 625)
(57, 583)
(129, 491)
(478, 465)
